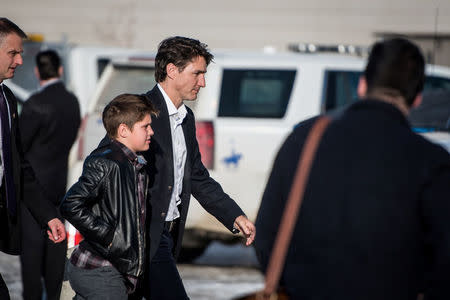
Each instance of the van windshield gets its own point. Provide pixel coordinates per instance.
(124, 79)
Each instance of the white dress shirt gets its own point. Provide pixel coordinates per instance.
(176, 117)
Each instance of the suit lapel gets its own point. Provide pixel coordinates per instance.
(188, 139)
(161, 127)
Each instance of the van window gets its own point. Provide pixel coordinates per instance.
(255, 93)
(340, 89)
(433, 83)
(126, 79)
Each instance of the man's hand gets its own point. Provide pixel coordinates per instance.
(57, 232)
(246, 227)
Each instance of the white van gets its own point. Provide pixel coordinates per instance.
(251, 102)
(83, 66)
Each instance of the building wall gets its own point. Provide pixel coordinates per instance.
(227, 24)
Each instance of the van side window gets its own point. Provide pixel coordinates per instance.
(436, 83)
(339, 89)
(255, 93)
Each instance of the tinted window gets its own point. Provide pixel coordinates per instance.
(255, 93)
(433, 113)
(126, 79)
(340, 88)
(433, 83)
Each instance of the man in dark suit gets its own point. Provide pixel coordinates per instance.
(49, 124)
(377, 199)
(17, 179)
(176, 167)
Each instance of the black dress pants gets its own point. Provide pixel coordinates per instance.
(40, 258)
(162, 280)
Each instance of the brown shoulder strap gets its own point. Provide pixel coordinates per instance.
(293, 206)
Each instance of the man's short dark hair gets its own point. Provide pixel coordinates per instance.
(8, 27)
(48, 63)
(396, 66)
(179, 51)
(126, 109)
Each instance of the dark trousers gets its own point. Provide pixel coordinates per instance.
(4, 293)
(162, 280)
(40, 258)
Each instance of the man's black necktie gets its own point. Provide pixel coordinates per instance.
(6, 157)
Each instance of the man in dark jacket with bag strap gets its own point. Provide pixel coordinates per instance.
(375, 218)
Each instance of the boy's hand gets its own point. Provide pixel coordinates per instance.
(246, 227)
(57, 232)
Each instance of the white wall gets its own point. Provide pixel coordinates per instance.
(227, 23)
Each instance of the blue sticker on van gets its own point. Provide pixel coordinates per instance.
(233, 159)
(423, 129)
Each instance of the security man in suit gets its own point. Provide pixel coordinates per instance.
(49, 124)
(17, 180)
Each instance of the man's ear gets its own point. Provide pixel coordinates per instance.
(362, 87)
(60, 71)
(417, 101)
(171, 70)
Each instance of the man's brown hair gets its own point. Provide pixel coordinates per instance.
(179, 51)
(126, 109)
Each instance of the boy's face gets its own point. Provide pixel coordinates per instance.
(139, 137)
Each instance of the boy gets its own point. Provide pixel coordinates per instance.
(108, 204)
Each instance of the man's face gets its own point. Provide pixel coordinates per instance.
(10, 55)
(188, 82)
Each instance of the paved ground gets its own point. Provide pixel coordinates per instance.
(221, 273)
(10, 270)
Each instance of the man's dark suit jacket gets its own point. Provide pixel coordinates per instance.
(196, 181)
(49, 124)
(23, 175)
(377, 200)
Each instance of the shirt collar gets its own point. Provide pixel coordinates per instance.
(172, 110)
(49, 82)
(133, 157)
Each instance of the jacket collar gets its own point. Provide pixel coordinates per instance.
(386, 108)
(50, 83)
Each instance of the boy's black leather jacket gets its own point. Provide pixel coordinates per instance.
(103, 206)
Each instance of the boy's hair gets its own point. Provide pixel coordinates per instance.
(179, 51)
(396, 66)
(48, 63)
(126, 109)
